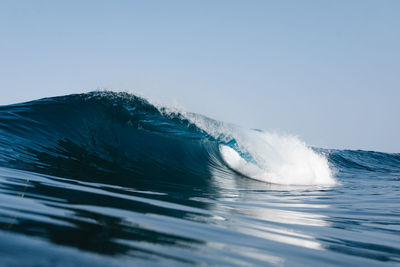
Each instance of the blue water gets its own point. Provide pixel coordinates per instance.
(109, 179)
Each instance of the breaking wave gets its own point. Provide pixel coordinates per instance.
(106, 134)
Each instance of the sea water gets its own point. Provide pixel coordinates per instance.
(109, 179)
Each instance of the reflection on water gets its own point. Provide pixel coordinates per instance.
(269, 216)
(238, 222)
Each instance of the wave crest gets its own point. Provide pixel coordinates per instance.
(106, 134)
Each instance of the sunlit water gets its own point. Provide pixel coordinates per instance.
(66, 201)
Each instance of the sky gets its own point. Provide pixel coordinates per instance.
(325, 71)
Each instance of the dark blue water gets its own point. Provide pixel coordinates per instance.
(107, 179)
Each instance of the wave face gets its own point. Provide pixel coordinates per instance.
(109, 179)
(103, 133)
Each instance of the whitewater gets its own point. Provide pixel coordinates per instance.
(111, 179)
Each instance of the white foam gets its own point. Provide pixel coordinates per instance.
(281, 160)
(278, 159)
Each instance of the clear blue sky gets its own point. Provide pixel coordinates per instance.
(327, 71)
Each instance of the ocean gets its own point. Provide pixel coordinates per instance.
(110, 179)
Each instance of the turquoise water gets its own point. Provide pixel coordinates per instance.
(106, 179)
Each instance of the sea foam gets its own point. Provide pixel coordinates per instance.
(267, 156)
